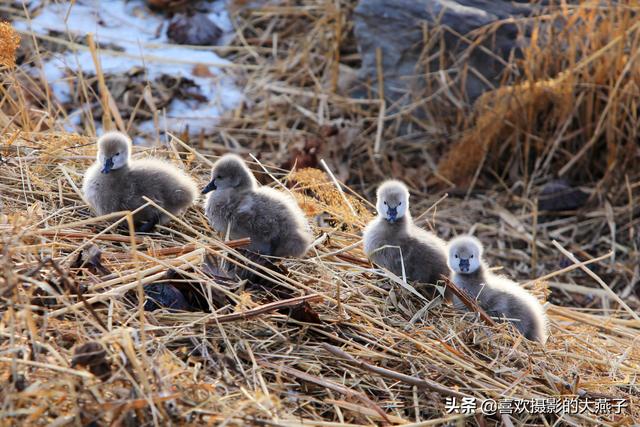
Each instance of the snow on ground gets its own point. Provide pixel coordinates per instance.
(131, 36)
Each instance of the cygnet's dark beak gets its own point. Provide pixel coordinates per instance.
(108, 165)
(210, 187)
(464, 264)
(392, 214)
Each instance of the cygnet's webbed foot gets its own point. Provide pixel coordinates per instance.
(147, 227)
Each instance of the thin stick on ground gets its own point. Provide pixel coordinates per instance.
(607, 289)
(418, 382)
(266, 308)
(328, 384)
(469, 302)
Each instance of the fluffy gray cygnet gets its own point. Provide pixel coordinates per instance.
(271, 219)
(497, 295)
(115, 183)
(423, 253)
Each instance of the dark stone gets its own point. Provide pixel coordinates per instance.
(168, 5)
(19, 382)
(194, 29)
(165, 295)
(396, 28)
(559, 195)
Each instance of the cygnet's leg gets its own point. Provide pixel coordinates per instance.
(273, 246)
(146, 227)
(261, 247)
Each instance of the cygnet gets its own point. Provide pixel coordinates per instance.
(238, 205)
(497, 295)
(392, 240)
(115, 183)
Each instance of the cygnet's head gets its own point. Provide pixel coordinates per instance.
(393, 200)
(230, 171)
(114, 150)
(465, 254)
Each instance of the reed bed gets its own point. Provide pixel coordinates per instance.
(565, 111)
(330, 340)
(272, 354)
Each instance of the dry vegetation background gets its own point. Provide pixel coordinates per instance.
(76, 346)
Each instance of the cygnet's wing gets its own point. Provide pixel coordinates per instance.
(261, 216)
(288, 208)
(91, 187)
(426, 255)
(433, 243)
(163, 182)
(515, 302)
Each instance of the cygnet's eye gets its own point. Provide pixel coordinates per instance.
(385, 202)
(456, 255)
(399, 203)
(118, 153)
(219, 177)
(471, 256)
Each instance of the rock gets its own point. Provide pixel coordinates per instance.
(559, 195)
(164, 295)
(168, 5)
(397, 29)
(194, 29)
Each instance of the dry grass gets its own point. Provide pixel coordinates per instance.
(572, 102)
(9, 40)
(567, 109)
(201, 367)
(269, 367)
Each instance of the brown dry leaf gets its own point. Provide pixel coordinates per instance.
(304, 154)
(201, 70)
(340, 136)
(305, 313)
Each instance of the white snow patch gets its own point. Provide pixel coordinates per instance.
(132, 36)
